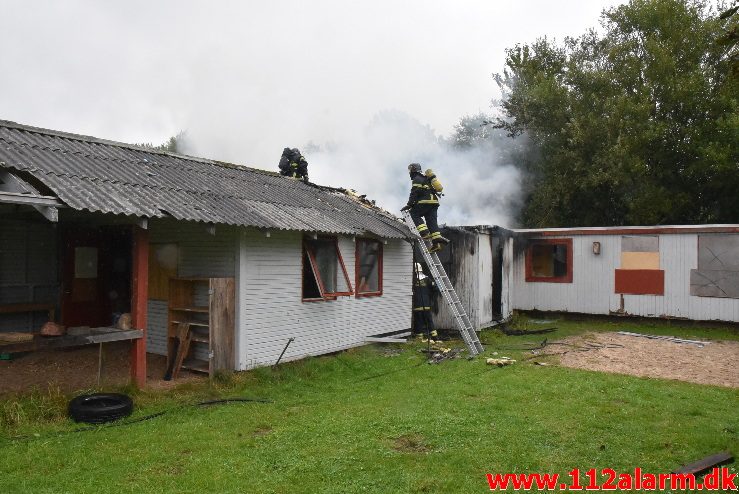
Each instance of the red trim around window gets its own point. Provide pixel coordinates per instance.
(317, 276)
(379, 268)
(567, 278)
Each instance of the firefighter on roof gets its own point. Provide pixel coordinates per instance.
(423, 204)
(293, 164)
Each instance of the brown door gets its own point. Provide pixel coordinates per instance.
(84, 273)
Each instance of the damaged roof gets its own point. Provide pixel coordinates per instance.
(97, 175)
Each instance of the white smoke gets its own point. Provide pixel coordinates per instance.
(482, 183)
(479, 186)
(246, 79)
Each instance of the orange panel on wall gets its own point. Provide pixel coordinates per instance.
(640, 281)
(640, 260)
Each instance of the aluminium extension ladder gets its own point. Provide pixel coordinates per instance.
(447, 291)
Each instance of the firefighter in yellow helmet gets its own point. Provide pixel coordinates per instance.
(423, 204)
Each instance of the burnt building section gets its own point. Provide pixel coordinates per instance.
(473, 262)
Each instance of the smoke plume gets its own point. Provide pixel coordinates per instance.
(481, 180)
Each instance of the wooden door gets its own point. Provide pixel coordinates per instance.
(84, 278)
(222, 324)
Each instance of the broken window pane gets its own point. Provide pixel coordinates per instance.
(325, 269)
(369, 265)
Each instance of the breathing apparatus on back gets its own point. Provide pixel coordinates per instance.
(434, 181)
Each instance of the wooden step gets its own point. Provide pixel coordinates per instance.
(196, 365)
(192, 323)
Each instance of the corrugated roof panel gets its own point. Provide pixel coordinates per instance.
(103, 176)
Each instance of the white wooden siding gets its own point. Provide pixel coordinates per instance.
(485, 280)
(592, 290)
(271, 309)
(471, 272)
(198, 254)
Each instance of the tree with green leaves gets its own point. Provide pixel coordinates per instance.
(638, 125)
(172, 145)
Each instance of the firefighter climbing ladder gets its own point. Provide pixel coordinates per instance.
(447, 291)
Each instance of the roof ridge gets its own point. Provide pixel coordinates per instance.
(125, 145)
(352, 197)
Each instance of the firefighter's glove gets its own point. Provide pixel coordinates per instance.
(406, 207)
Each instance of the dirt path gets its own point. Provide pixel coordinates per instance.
(75, 369)
(716, 363)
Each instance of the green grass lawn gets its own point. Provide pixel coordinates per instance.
(363, 421)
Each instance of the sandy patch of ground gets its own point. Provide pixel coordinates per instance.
(77, 368)
(717, 363)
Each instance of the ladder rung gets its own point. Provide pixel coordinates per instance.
(447, 290)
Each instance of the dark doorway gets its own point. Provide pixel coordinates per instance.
(497, 281)
(96, 275)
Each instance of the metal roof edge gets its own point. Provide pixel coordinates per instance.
(124, 145)
(380, 214)
(630, 230)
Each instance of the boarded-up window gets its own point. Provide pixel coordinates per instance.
(324, 274)
(368, 268)
(718, 267)
(639, 273)
(549, 260)
(162, 267)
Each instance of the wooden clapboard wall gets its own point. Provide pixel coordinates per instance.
(270, 309)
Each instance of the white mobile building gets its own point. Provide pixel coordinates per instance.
(683, 272)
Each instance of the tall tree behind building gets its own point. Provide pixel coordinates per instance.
(638, 125)
(174, 144)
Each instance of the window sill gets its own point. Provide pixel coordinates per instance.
(328, 299)
(368, 294)
(542, 279)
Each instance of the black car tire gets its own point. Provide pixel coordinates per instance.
(99, 408)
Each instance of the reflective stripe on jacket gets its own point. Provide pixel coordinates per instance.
(422, 192)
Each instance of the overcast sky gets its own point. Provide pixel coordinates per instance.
(246, 78)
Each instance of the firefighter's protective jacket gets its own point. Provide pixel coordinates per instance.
(293, 164)
(422, 192)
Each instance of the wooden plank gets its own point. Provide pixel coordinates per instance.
(639, 260)
(40, 343)
(16, 308)
(196, 365)
(192, 308)
(645, 243)
(375, 339)
(640, 281)
(15, 337)
(721, 284)
(718, 252)
(222, 323)
(139, 297)
(706, 463)
(185, 336)
(128, 334)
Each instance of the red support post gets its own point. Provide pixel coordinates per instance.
(139, 296)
